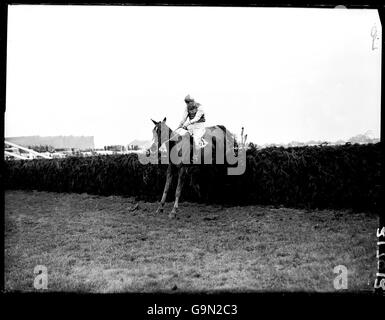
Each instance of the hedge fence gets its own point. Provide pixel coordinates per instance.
(335, 177)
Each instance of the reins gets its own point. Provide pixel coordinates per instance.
(170, 138)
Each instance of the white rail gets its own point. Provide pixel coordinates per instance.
(12, 154)
(33, 152)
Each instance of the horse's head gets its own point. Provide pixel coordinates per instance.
(160, 133)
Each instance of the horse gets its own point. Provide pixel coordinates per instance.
(162, 134)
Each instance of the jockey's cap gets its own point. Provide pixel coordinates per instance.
(188, 98)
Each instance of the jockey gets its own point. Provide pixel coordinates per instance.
(193, 122)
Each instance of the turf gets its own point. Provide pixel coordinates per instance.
(114, 244)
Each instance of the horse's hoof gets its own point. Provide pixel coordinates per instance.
(159, 210)
(172, 214)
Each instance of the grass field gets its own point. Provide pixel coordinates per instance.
(114, 244)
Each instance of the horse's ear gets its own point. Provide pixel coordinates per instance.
(154, 122)
(164, 120)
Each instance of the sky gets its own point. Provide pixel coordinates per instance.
(284, 74)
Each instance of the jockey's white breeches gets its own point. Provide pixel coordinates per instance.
(197, 130)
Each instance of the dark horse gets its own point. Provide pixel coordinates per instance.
(162, 134)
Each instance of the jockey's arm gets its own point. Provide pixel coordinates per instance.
(185, 114)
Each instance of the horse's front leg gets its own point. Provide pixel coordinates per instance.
(165, 191)
(178, 191)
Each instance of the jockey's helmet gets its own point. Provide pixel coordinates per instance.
(188, 99)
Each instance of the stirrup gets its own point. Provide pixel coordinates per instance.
(203, 143)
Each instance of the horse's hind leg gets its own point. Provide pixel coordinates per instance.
(178, 191)
(165, 191)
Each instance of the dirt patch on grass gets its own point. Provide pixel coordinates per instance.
(114, 244)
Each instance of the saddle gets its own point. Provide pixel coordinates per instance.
(210, 140)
